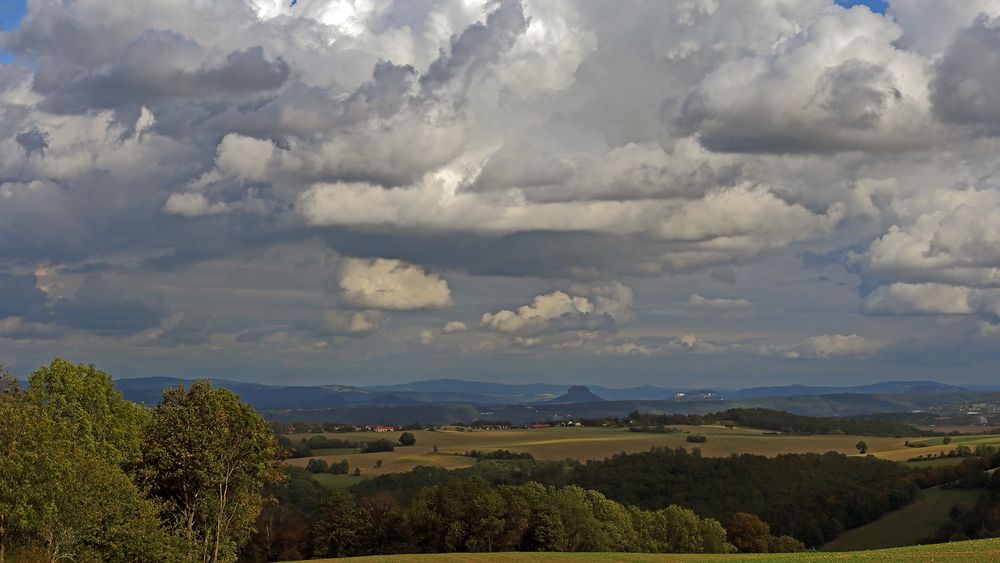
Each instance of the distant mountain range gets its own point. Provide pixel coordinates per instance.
(451, 400)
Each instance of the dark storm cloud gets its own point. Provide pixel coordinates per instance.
(33, 141)
(103, 307)
(188, 330)
(966, 87)
(155, 67)
(20, 296)
(478, 45)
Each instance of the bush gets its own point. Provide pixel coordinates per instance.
(378, 446)
(407, 439)
(317, 466)
(697, 438)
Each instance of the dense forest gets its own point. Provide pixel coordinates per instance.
(811, 497)
(816, 497)
(469, 513)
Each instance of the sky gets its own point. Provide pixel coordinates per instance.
(684, 193)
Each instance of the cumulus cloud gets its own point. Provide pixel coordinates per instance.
(829, 345)
(838, 84)
(349, 323)
(966, 86)
(386, 284)
(451, 327)
(824, 346)
(599, 309)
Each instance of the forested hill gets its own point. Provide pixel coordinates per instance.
(813, 497)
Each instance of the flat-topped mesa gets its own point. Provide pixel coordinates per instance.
(577, 394)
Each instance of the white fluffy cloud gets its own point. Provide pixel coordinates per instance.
(392, 285)
(451, 327)
(597, 309)
(919, 298)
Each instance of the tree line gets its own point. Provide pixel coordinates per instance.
(778, 421)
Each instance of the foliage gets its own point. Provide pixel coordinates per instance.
(322, 442)
(981, 520)
(469, 514)
(696, 438)
(407, 439)
(282, 528)
(374, 446)
(498, 454)
(317, 466)
(61, 500)
(655, 429)
(102, 421)
(811, 497)
(207, 456)
(780, 421)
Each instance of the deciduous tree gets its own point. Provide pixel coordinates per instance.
(208, 455)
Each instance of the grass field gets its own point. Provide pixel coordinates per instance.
(585, 443)
(971, 441)
(975, 551)
(936, 462)
(908, 525)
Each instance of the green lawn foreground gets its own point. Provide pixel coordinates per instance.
(909, 524)
(966, 551)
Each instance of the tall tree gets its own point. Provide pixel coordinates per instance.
(61, 499)
(84, 396)
(208, 456)
(748, 533)
(336, 525)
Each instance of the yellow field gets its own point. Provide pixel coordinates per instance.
(585, 443)
(975, 551)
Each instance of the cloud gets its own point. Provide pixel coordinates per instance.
(717, 304)
(349, 323)
(21, 296)
(212, 180)
(17, 328)
(393, 285)
(601, 309)
(155, 66)
(967, 79)
(185, 329)
(33, 141)
(451, 327)
(922, 298)
(839, 84)
(933, 299)
(831, 345)
(102, 306)
(193, 204)
(824, 346)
